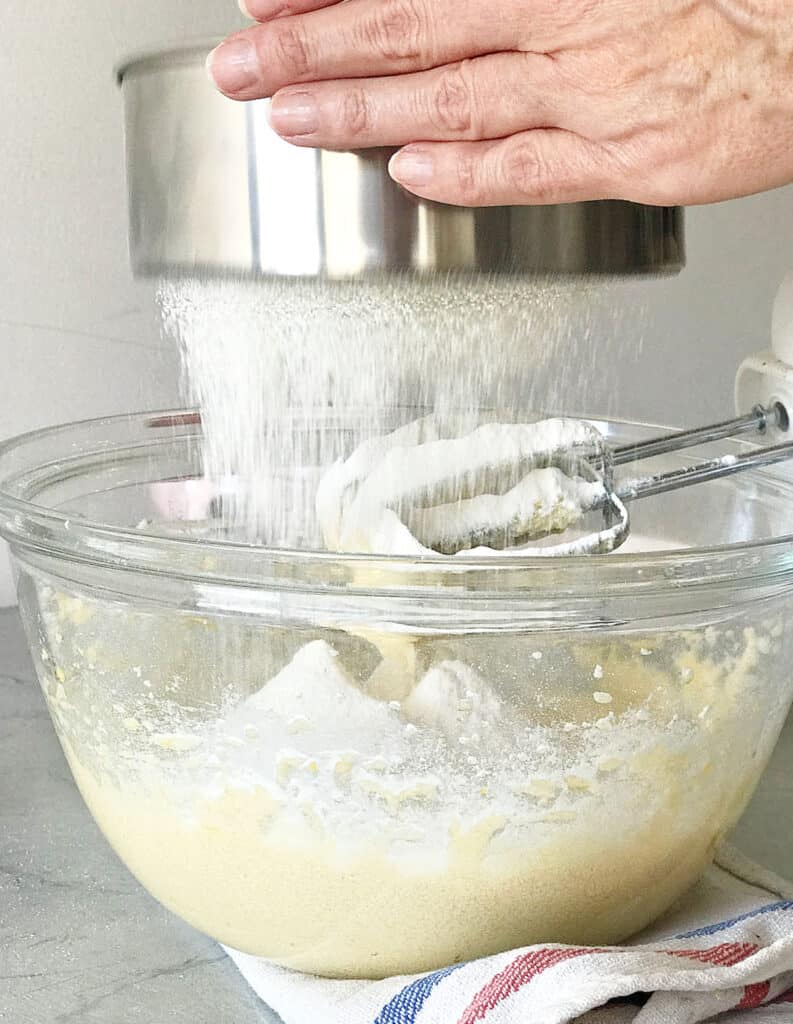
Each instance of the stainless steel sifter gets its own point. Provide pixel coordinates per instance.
(212, 189)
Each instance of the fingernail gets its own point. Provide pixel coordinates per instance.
(234, 65)
(412, 167)
(245, 9)
(294, 113)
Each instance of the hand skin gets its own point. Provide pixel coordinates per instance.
(498, 102)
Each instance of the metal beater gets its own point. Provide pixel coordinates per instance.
(617, 495)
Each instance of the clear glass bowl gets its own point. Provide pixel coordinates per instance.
(363, 766)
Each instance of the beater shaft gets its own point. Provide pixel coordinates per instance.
(713, 469)
(759, 419)
(703, 472)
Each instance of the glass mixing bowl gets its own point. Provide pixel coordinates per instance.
(363, 766)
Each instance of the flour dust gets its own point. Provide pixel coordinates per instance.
(292, 375)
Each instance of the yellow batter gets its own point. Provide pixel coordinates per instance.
(351, 837)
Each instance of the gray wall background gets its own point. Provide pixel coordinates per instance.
(79, 338)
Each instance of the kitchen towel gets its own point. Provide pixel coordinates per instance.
(724, 953)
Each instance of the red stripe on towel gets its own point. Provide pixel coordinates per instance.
(727, 954)
(523, 970)
(754, 995)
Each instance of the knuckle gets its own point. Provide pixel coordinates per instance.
(356, 112)
(525, 172)
(577, 71)
(291, 48)
(469, 180)
(629, 166)
(394, 30)
(453, 101)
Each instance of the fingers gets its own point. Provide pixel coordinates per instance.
(358, 39)
(542, 167)
(266, 10)
(489, 97)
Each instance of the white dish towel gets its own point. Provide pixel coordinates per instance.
(725, 954)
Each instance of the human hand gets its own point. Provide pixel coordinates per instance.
(533, 101)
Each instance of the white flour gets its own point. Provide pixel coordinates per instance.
(290, 376)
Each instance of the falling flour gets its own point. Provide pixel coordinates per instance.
(290, 376)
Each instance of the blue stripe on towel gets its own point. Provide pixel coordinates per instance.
(722, 926)
(406, 1005)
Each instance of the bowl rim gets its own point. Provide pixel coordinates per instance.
(36, 528)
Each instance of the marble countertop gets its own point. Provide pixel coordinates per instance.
(82, 943)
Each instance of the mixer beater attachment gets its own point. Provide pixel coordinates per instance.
(760, 420)
(435, 486)
(511, 487)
